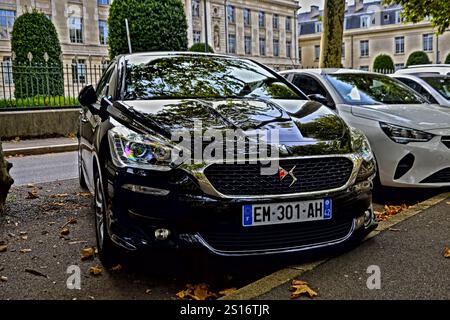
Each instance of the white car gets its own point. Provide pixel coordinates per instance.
(442, 69)
(434, 87)
(409, 137)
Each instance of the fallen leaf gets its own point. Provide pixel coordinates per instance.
(117, 267)
(227, 292)
(299, 288)
(23, 233)
(448, 202)
(65, 231)
(446, 252)
(3, 279)
(24, 237)
(30, 185)
(84, 194)
(36, 273)
(196, 292)
(390, 211)
(25, 250)
(148, 291)
(3, 248)
(87, 253)
(95, 270)
(32, 195)
(60, 195)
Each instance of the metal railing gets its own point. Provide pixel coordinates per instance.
(44, 85)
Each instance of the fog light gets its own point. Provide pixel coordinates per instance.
(162, 234)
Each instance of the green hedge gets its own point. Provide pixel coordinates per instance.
(383, 62)
(59, 101)
(417, 57)
(200, 47)
(34, 33)
(155, 25)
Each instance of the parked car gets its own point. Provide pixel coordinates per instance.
(409, 137)
(319, 194)
(442, 69)
(434, 87)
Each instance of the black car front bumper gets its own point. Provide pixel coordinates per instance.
(143, 203)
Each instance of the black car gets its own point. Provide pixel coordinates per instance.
(319, 194)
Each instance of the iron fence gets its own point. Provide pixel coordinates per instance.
(44, 85)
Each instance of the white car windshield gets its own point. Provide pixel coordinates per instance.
(440, 83)
(373, 89)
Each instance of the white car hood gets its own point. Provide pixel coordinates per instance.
(421, 116)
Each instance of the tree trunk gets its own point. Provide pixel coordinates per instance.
(5, 180)
(332, 35)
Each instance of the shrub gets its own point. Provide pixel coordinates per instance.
(200, 47)
(34, 33)
(155, 25)
(418, 57)
(383, 62)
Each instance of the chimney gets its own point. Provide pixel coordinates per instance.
(314, 11)
(359, 4)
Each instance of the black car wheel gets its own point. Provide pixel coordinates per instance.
(107, 250)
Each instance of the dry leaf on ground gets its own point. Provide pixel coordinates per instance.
(84, 194)
(3, 248)
(197, 292)
(95, 270)
(390, 211)
(25, 250)
(227, 292)
(446, 252)
(87, 253)
(59, 195)
(117, 267)
(32, 195)
(300, 288)
(36, 273)
(3, 279)
(65, 231)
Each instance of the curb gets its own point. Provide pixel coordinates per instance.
(280, 277)
(31, 151)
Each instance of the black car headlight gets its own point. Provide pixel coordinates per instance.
(131, 149)
(361, 146)
(405, 135)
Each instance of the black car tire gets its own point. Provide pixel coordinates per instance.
(108, 251)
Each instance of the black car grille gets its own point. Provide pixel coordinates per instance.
(442, 176)
(313, 174)
(277, 237)
(446, 141)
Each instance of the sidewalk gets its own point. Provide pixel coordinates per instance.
(409, 255)
(39, 146)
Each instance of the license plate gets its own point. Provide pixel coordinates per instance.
(286, 212)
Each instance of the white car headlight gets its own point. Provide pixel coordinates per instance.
(131, 149)
(405, 135)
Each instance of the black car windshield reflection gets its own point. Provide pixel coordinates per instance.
(373, 89)
(202, 77)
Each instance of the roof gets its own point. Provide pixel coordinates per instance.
(174, 53)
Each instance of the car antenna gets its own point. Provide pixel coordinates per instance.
(128, 36)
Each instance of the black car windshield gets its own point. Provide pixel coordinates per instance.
(441, 84)
(174, 77)
(373, 89)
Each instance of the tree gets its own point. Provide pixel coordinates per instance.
(447, 60)
(417, 57)
(5, 180)
(34, 36)
(417, 10)
(200, 47)
(155, 25)
(332, 35)
(383, 62)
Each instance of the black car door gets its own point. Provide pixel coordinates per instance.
(88, 124)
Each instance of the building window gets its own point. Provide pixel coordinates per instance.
(428, 42)
(398, 17)
(288, 24)
(318, 26)
(103, 2)
(275, 20)
(399, 66)
(7, 18)
(316, 53)
(343, 50)
(386, 17)
(103, 31)
(247, 17)
(196, 36)
(364, 68)
(276, 47)
(248, 45)
(399, 45)
(365, 22)
(7, 70)
(262, 19)
(231, 14)
(288, 49)
(364, 48)
(76, 30)
(231, 43)
(78, 71)
(262, 46)
(195, 8)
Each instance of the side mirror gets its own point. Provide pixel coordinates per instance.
(321, 99)
(87, 96)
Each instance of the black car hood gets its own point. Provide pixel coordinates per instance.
(300, 123)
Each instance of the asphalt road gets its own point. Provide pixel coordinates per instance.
(44, 168)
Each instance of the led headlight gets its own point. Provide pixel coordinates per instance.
(131, 149)
(405, 135)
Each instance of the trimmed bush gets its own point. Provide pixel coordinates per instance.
(200, 47)
(447, 60)
(418, 57)
(155, 25)
(383, 62)
(34, 33)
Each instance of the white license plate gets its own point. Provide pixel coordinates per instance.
(286, 212)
